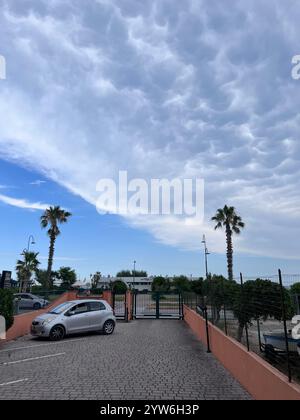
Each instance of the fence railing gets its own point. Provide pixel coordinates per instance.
(259, 313)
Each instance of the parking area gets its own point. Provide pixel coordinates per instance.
(145, 359)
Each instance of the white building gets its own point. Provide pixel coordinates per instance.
(137, 283)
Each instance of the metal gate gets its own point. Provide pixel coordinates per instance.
(158, 305)
(119, 305)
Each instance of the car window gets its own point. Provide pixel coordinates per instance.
(25, 297)
(96, 306)
(60, 308)
(80, 308)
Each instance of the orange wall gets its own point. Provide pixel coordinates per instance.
(129, 304)
(22, 323)
(107, 295)
(259, 378)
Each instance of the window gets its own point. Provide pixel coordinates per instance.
(80, 309)
(60, 308)
(96, 306)
(26, 297)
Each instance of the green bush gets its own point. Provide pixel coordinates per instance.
(119, 286)
(7, 307)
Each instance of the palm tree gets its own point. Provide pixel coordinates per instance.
(52, 218)
(26, 267)
(228, 218)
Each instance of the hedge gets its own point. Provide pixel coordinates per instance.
(7, 307)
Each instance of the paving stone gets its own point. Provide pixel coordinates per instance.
(151, 359)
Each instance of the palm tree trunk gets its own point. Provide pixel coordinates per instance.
(25, 283)
(50, 259)
(229, 253)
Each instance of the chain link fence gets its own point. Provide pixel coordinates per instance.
(261, 313)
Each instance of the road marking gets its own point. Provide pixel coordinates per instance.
(40, 345)
(14, 382)
(32, 358)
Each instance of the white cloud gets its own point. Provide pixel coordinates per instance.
(22, 203)
(37, 183)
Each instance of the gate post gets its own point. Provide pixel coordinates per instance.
(107, 295)
(181, 307)
(129, 305)
(157, 304)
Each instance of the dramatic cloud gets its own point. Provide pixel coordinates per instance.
(161, 89)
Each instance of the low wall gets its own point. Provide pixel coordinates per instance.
(22, 323)
(258, 377)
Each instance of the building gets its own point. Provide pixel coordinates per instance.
(138, 283)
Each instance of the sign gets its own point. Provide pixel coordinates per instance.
(5, 282)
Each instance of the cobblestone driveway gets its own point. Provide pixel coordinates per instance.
(148, 359)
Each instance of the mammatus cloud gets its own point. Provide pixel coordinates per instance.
(191, 89)
(22, 203)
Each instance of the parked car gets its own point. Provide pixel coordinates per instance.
(275, 341)
(30, 301)
(74, 317)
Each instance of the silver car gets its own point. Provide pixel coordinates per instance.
(30, 301)
(75, 317)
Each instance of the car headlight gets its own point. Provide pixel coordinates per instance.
(47, 321)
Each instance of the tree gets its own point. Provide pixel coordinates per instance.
(119, 287)
(197, 286)
(67, 276)
(228, 218)
(260, 299)
(41, 277)
(95, 279)
(52, 217)
(160, 284)
(128, 273)
(295, 289)
(7, 307)
(218, 291)
(181, 283)
(26, 267)
(295, 293)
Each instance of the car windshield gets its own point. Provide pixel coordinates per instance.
(60, 308)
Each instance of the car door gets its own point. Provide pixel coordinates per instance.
(97, 315)
(78, 319)
(26, 301)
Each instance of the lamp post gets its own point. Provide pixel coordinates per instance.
(206, 253)
(31, 241)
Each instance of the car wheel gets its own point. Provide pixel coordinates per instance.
(57, 333)
(270, 352)
(37, 306)
(108, 327)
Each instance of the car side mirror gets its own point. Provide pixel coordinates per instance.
(71, 313)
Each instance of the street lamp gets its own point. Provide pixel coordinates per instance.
(206, 253)
(31, 241)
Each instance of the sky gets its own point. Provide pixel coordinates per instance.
(161, 89)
